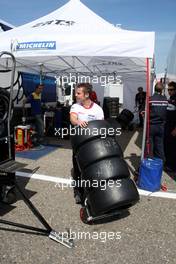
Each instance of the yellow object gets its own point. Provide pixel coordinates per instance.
(20, 136)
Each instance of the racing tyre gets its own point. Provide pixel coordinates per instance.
(96, 150)
(112, 168)
(125, 117)
(94, 129)
(4, 105)
(118, 194)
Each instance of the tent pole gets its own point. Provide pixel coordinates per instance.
(145, 139)
(41, 73)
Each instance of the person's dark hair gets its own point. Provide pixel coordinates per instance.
(172, 84)
(37, 86)
(159, 87)
(86, 86)
(140, 89)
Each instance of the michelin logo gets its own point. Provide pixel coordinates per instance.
(37, 45)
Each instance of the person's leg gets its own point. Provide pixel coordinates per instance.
(76, 171)
(78, 189)
(167, 145)
(170, 152)
(140, 119)
(170, 149)
(39, 128)
(159, 142)
(151, 140)
(172, 160)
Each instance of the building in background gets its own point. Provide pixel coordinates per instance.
(171, 62)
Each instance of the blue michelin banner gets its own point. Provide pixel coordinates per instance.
(37, 45)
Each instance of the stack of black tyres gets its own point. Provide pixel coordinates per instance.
(100, 159)
(111, 107)
(125, 117)
(4, 109)
(5, 179)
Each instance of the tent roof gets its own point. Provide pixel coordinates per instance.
(5, 25)
(74, 38)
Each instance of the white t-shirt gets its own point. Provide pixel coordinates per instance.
(94, 112)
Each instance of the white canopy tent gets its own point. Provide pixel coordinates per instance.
(4, 26)
(73, 39)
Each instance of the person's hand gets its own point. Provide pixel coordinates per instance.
(173, 133)
(82, 123)
(23, 119)
(142, 113)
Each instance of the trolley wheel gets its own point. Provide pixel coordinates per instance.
(84, 216)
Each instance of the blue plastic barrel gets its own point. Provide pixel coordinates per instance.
(150, 174)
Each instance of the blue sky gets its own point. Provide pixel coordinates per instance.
(142, 15)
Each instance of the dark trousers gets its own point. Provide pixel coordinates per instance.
(141, 119)
(39, 126)
(78, 189)
(156, 140)
(170, 147)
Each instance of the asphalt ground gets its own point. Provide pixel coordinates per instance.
(145, 234)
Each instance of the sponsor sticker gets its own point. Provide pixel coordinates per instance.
(36, 45)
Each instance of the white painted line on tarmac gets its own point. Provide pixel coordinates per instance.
(167, 194)
(42, 177)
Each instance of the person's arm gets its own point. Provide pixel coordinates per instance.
(136, 100)
(74, 116)
(27, 99)
(100, 114)
(173, 133)
(74, 120)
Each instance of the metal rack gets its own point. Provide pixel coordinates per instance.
(7, 171)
